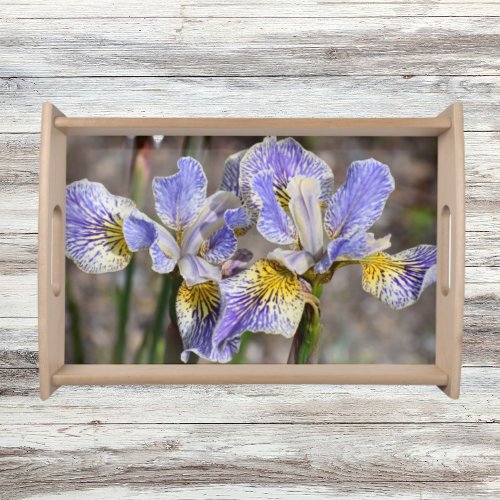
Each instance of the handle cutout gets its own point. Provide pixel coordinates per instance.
(56, 254)
(445, 269)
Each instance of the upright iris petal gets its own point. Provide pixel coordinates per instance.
(198, 308)
(286, 159)
(94, 220)
(273, 222)
(231, 175)
(267, 297)
(398, 280)
(305, 208)
(359, 202)
(179, 197)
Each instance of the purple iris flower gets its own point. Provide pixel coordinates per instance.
(288, 192)
(103, 230)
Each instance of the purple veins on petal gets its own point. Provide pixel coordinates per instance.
(209, 220)
(266, 297)
(273, 222)
(353, 246)
(220, 246)
(141, 232)
(286, 159)
(94, 220)
(398, 280)
(231, 175)
(359, 202)
(198, 308)
(179, 197)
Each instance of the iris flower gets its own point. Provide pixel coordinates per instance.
(102, 231)
(288, 191)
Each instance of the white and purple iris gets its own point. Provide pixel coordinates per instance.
(102, 232)
(288, 193)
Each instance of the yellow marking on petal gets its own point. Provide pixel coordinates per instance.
(197, 301)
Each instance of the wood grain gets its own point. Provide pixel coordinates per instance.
(304, 9)
(252, 47)
(305, 404)
(207, 454)
(301, 97)
(194, 442)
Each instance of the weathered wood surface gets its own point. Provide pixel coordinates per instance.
(254, 58)
(194, 47)
(304, 9)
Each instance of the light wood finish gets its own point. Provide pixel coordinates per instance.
(442, 458)
(418, 127)
(451, 250)
(249, 374)
(348, 374)
(51, 313)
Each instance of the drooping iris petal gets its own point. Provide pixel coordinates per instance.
(197, 270)
(231, 175)
(209, 220)
(141, 232)
(179, 197)
(353, 246)
(266, 297)
(360, 200)
(298, 261)
(398, 280)
(220, 246)
(94, 220)
(305, 208)
(273, 222)
(198, 308)
(286, 159)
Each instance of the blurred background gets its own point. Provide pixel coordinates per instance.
(357, 327)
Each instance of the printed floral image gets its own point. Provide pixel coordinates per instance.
(217, 291)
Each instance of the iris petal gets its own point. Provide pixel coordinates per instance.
(286, 159)
(198, 308)
(377, 245)
(231, 175)
(179, 197)
(94, 220)
(359, 202)
(142, 232)
(220, 246)
(238, 220)
(305, 208)
(197, 270)
(209, 220)
(266, 297)
(273, 222)
(353, 246)
(298, 261)
(398, 280)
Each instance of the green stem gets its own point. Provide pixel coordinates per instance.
(155, 352)
(123, 308)
(305, 342)
(74, 317)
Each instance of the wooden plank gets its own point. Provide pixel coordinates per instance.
(88, 9)
(344, 127)
(20, 404)
(415, 490)
(276, 454)
(301, 97)
(235, 46)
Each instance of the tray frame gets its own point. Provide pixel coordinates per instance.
(445, 372)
